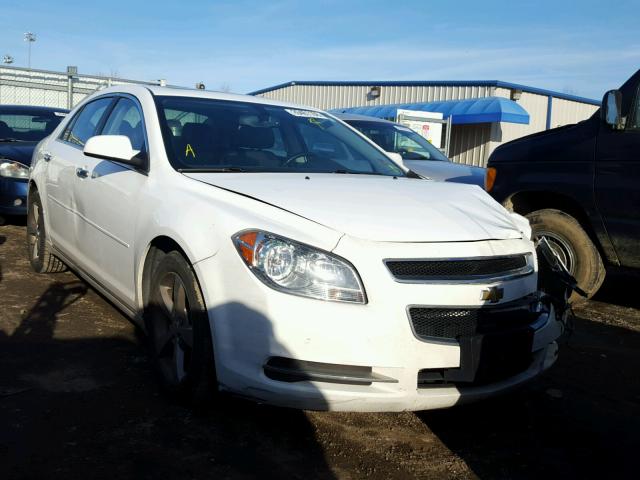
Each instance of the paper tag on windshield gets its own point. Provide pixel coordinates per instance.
(403, 129)
(305, 113)
(60, 114)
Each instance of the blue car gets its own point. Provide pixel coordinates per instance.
(417, 153)
(21, 128)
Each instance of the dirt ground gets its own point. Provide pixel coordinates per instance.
(78, 399)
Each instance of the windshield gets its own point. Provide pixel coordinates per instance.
(399, 139)
(21, 126)
(217, 135)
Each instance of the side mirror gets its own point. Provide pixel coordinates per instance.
(610, 111)
(114, 147)
(396, 157)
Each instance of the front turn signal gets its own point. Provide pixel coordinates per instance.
(490, 178)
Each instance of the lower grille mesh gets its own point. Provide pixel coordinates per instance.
(453, 323)
(443, 322)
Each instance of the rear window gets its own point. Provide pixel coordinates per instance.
(27, 127)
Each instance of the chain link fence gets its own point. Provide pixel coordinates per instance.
(22, 86)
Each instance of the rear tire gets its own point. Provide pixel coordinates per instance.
(180, 337)
(569, 240)
(38, 250)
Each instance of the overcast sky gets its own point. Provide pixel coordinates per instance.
(582, 47)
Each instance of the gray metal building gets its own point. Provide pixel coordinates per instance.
(22, 86)
(475, 133)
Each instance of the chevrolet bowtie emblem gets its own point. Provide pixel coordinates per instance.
(492, 294)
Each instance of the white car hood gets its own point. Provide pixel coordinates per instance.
(378, 208)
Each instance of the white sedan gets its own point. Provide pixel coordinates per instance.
(271, 251)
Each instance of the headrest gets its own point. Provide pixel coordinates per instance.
(125, 128)
(4, 129)
(175, 126)
(254, 137)
(198, 131)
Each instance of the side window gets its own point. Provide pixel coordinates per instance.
(126, 119)
(84, 125)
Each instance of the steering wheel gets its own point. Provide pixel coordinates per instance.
(292, 159)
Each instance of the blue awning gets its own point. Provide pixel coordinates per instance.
(471, 110)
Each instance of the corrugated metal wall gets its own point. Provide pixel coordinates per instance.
(336, 96)
(564, 112)
(21, 86)
(469, 144)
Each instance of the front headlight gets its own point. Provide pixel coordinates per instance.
(11, 169)
(298, 269)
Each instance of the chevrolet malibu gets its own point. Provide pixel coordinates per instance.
(273, 252)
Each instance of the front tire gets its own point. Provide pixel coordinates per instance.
(38, 251)
(571, 243)
(179, 331)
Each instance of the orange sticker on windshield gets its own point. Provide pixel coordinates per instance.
(189, 150)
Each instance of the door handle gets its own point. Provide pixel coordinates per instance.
(47, 157)
(82, 173)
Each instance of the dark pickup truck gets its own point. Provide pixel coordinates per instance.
(579, 185)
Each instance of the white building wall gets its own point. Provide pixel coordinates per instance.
(565, 112)
(469, 144)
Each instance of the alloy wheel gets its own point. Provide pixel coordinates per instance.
(562, 248)
(33, 231)
(173, 329)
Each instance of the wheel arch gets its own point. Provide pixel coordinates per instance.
(525, 202)
(160, 243)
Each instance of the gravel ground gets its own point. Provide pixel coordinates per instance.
(78, 399)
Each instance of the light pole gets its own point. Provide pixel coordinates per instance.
(29, 37)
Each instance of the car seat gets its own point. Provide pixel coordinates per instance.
(198, 144)
(251, 147)
(135, 134)
(5, 130)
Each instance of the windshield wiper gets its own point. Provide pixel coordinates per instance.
(7, 140)
(212, 170)
(351, 172)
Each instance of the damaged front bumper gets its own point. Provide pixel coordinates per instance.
(490, 364)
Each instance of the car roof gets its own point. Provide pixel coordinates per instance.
(32, 109)
(352, 117)
(195, 93)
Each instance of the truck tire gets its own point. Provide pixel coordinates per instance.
(569, 240)
(38, 251)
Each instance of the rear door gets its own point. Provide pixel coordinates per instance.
(108, 205)
(617, 183)
(65, 157)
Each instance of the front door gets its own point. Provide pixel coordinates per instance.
(617, 184)
(107, 199)
(64, 157)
